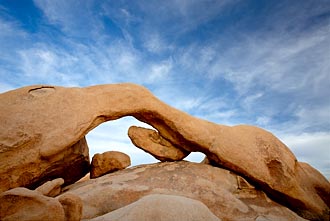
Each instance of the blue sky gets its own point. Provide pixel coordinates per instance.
(264, 63)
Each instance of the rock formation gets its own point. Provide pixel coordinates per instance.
(72, 206)
(43, 128)
(23, 165)
(227, 195)
(51, 188)
(161, 207)
(151, 142)
(23, 204)
(108, 162)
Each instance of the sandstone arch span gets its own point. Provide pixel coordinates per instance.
(45, 121)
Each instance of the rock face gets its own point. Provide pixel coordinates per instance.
(43, 128)
(29, 169)
(228, 196)
(151, 142)
(108, 162)
(51, 188)
(72, 206)
(161, 207)
(23, 204)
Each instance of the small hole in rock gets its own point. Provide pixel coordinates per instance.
(41, 91)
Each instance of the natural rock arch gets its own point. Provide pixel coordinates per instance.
(112, 136)
(52, 119)
(115, 136)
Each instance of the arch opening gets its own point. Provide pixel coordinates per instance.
(112, 136)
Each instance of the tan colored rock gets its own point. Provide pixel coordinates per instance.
(227, 195)
(72, 205)
(150, 141)
(41, 123)
(85, 178)
(108, 162)
(206, 161)
(29, 169)
(161, 207)
(51, 188)
(24, 204)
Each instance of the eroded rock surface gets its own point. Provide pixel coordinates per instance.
(161, 207)
(72, 206)
(22, 164)
(51, 188)
(25, 205)
(150, 141)
(227, 195)
(45, 125)
(108, 162)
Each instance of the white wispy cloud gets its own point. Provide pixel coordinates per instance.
(262, 64)
(87, 64)
(46, 65)
(311, 119)
(10, 29)
(274, 62)
(74, 18)
(180, 17)
(312, 148)
(154, 43)
(5, 87)
(159, 71)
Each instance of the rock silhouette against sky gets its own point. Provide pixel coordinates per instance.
(45, 124)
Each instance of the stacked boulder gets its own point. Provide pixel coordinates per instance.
(108, 162)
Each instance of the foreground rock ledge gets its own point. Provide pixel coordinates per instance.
(161, 207)
(227, 195)
(24, 204)
(45, 122)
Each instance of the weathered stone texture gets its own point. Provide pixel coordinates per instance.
(43, 127)
(108, 162)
